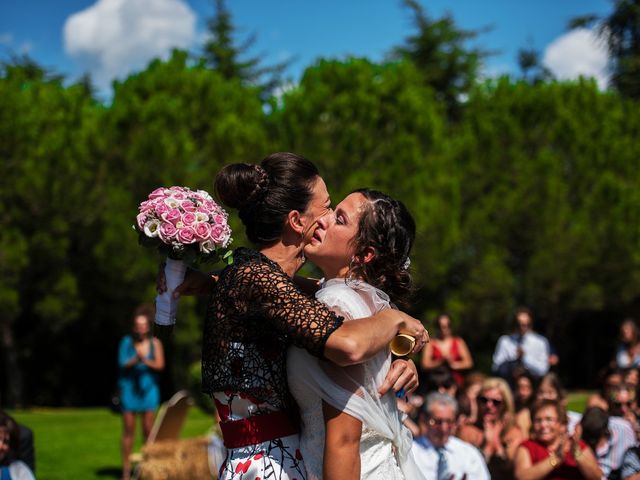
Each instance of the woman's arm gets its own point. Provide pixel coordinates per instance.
(526, 470)
(358, 340)
(157, 363)
(587, 463)
(427, 362)
(513, 439)
(341, 445)
(124, 360)
(465, 362)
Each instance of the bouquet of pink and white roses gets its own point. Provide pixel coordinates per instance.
(190, 228)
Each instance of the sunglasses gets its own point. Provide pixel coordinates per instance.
(484, 401)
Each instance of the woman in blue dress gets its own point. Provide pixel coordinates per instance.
(140, 358)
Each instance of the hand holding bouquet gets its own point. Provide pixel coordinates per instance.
(190, 229)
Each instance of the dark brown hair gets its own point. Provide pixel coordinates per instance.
(265, 194)
(388, 227)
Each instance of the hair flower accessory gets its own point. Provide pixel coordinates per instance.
(406, 264)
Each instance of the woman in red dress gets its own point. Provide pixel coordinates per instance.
(447, 349)
(551, 454)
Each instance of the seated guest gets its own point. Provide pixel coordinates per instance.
(524, 397)
(630, 469)
(622, 404)
(471, 388)
(437, 452)
(441, 380)
(551, 453)
(609, 437)
(495, 432)
(522, 350)
(27, 453)
(446, 349)
(10, 467)
(549, 388)
(612, 379)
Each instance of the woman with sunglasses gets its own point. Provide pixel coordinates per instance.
(551, 453)
(495, 432)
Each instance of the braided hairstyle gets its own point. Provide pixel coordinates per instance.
(265, 194)
(388, 227)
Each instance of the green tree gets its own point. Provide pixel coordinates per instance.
(441, 52)
(223, 54)
(621, 31)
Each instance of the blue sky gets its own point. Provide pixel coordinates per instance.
(111, 38)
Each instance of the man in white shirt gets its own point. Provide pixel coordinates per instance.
(440, 455)
(523, 349)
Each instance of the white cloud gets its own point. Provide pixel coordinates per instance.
(6, 38)
(113, 37)
(578, 52)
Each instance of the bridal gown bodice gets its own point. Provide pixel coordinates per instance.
(377, 456)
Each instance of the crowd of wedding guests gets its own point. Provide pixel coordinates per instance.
(515, 422)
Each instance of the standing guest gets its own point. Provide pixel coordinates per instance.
(445, 349)
(495, 432)
(11, 468)
(551, 453)
(628, 352)
(608, 437)
(438, 453)
(140, 358)
(522, 350)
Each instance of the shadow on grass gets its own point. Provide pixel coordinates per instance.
(109, 472)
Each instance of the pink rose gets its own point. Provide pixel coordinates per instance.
(160, 208)
(203, 230)
(219, 219)
(167, 231)
(172, 215)
(186, 235)
(179, 195)
(157, 193)
(217, 233)
(188, 206)
(188, 219)
(141, 219)
(209, 206)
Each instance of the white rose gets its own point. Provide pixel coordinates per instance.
(172, 202)
(207, 246)
(151, 228)
(202, 217)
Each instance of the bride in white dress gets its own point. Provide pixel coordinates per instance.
(349, 431)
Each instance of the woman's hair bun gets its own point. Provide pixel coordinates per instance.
(241, 184)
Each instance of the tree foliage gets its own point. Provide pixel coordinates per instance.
(529, 195)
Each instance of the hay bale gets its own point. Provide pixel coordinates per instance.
(185, 459)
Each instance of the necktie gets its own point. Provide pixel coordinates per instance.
(443, 468)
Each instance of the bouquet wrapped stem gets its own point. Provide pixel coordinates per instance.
(166, 305)
(189, 228)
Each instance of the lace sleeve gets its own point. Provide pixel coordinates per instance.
(306, 321)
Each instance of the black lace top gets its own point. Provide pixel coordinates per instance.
(254, 313)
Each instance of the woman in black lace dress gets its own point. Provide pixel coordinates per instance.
(256, 311)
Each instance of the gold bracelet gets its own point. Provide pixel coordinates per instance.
(553, 460)
(577, 453)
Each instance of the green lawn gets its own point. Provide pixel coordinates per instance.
(84, 444)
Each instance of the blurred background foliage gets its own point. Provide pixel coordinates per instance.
(524, 192)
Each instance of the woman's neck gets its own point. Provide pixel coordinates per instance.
(289, 257)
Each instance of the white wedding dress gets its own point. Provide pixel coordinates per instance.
(385, 445)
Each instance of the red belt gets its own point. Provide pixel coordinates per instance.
(258, 429)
